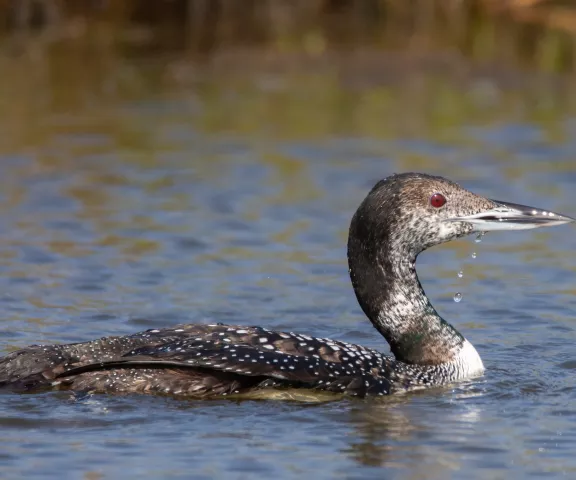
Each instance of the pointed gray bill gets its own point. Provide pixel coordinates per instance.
(511, 216)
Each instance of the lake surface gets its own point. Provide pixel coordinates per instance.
(135, 196)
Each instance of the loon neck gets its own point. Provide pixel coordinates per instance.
(388, 290)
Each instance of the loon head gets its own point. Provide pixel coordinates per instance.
(402, 216)
(416, 211)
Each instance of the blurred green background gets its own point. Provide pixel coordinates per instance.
(276, 68)
(537, 32)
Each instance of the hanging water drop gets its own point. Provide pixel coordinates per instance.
(478, 238)
(457, 297)
(473, 255)
(460, 274)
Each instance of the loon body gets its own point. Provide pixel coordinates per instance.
(401, 216)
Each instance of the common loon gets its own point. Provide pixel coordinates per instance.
(402, 215)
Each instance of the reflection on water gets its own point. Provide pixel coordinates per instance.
(134, 197)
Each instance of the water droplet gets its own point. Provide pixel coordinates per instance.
(460, 274)
(473, 255)
(457, 297)
(478, 238)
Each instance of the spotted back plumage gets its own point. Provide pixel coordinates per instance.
(206, 360)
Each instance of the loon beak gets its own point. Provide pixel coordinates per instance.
(511, 216)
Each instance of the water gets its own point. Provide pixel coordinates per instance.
(141, 202)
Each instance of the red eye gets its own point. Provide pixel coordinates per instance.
(437, 200)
